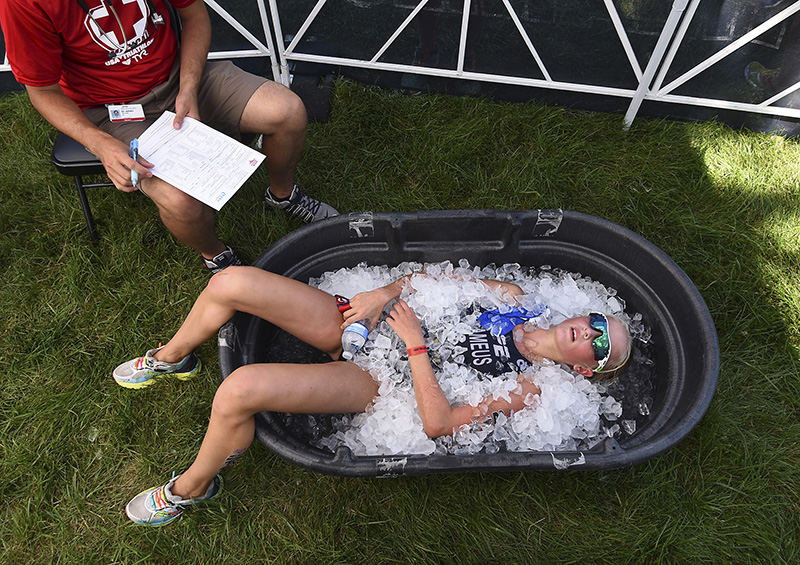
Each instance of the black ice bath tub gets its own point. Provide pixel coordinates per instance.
(685, 349)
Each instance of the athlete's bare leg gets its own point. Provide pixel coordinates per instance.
(303, 311)
(336, 387)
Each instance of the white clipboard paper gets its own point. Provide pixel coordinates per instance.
(199, 160)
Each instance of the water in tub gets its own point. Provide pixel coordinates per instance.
(571, 412)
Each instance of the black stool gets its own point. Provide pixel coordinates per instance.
(74, 160)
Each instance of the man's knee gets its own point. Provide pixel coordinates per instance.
(173, 202)
(294, 111)
(274, 108)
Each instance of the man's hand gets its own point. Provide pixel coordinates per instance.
(185, 105)
(64, 114)
(118, 165)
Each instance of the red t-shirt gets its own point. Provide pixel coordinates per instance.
(55, 41)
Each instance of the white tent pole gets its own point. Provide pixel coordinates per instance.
(678, 6)
(780, 95)
(237, 26)
(238, 54)
(398, 31)
(303, 28)
(722, 53)
(676, 43)
(728, 105)
(527, 40)
(274, 57)
(452, 73)
(623, 37)
(462, 44)
(276, 23)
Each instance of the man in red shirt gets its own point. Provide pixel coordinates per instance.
(77, 56)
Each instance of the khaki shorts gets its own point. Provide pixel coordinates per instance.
(224, 92)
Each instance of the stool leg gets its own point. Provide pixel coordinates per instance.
(86, 210)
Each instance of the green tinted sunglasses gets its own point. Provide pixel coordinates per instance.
(602, 343)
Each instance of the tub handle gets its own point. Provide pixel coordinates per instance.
(547, 223)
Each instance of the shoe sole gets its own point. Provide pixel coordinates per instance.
(180, 376)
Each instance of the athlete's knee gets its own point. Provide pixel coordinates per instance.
(234, 397)
(230, 285)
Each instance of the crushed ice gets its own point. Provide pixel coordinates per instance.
(570, 413)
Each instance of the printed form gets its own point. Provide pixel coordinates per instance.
(197, 159)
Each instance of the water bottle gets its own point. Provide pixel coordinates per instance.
(354, 336)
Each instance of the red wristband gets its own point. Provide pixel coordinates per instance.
(417, 350)
(342, 303)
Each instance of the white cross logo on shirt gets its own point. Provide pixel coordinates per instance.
(109, 40)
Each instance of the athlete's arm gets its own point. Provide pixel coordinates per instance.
(369, 305)
(504, 288)
(439, 418)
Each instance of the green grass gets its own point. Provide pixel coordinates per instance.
(74, 447)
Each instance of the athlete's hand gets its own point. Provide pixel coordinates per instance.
(525, 342)
(118, 164)
(406, 324)
(365, 306)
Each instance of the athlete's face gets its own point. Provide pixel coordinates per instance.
(569, 342)
(573, 338)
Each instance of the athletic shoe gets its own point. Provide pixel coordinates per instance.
(143, 371)
(158, 506)
(222, 261)
(301, 205)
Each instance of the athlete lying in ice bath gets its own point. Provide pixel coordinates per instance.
(589, 344)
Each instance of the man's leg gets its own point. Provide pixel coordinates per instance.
(235, 102)
(188, 219)
(280, 116)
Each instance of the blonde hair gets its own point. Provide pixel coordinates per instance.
(610, 373)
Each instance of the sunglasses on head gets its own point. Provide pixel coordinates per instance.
(602, 343)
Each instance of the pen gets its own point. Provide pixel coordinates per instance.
(134, 153)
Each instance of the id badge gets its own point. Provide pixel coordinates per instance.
(125, 112)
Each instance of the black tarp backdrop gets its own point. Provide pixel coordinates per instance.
(575, 39)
